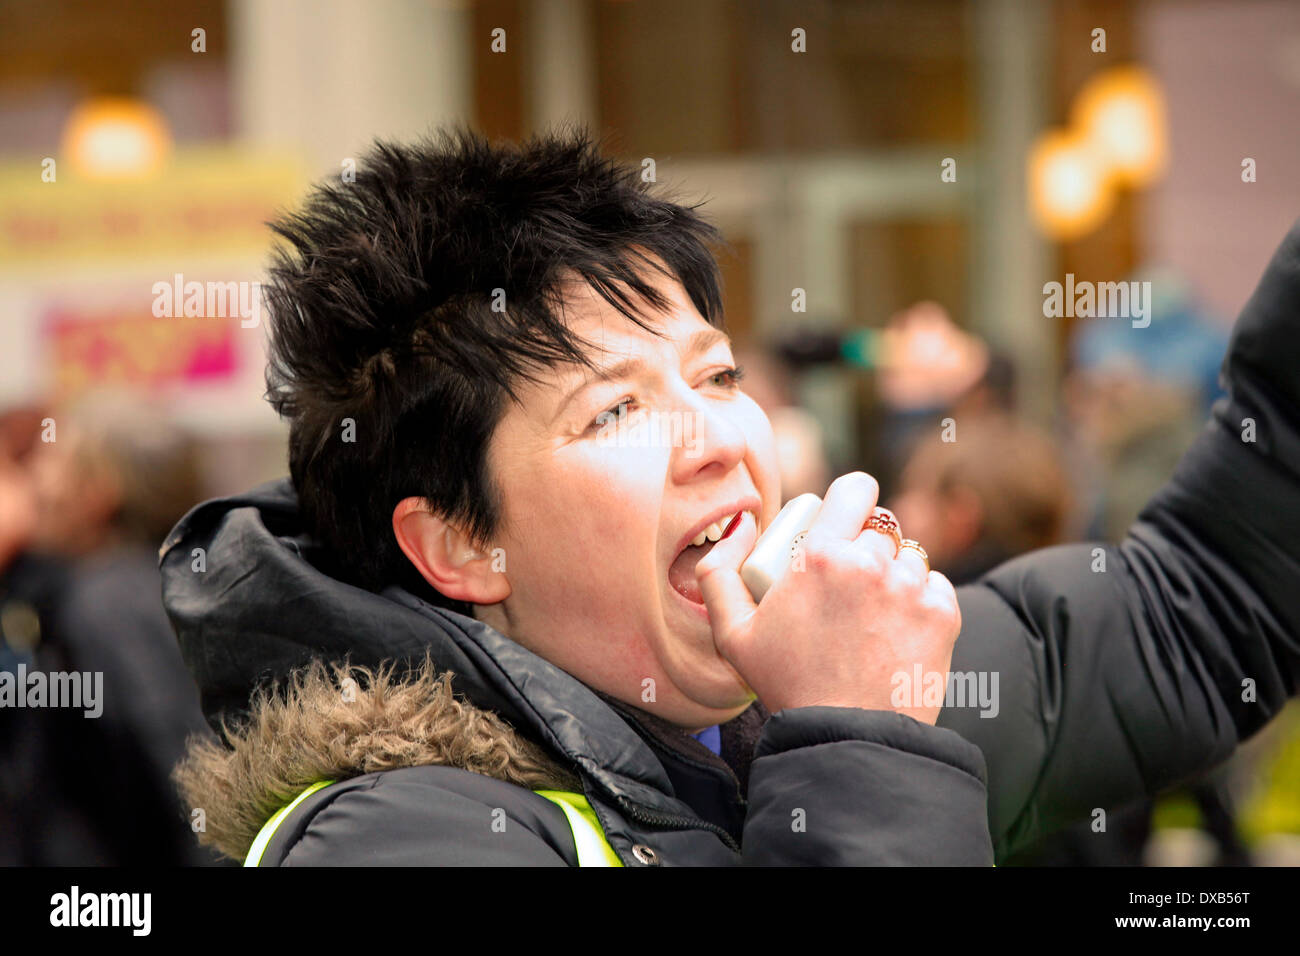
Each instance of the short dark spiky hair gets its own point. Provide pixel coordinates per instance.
(382, 311)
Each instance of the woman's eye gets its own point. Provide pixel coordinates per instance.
(728, 378)
(614, 413)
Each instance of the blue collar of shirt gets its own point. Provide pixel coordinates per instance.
(711, 737)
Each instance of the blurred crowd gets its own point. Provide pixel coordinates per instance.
(87, 494)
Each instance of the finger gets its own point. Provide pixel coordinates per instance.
(725, 595)
(877, 541)
(911, 564)
(847, 506)
(941, 593)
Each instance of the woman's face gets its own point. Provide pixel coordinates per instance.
(603, 481)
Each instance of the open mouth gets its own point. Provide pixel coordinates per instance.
(681, 572)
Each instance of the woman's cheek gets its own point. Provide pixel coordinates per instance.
(620, 490)
(635, 467)
(762, 453)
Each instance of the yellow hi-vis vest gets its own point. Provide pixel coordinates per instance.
(588, 838)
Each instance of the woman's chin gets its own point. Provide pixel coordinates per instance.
(707, 680)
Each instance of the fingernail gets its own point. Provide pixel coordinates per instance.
(732, 525)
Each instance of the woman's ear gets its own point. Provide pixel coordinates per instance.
(446, 557)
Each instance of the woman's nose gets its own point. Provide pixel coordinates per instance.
(710, 439)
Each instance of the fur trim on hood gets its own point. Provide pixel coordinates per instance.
(335, 721)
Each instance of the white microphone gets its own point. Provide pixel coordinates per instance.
(776, 547)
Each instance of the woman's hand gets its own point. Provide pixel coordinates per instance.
(850, 614)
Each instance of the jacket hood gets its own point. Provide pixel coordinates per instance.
(243, 586)
(334, 722)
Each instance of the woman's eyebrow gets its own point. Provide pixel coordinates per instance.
(699, 342)
(705, 339)
(620, 369)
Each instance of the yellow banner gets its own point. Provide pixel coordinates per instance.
(208, 201)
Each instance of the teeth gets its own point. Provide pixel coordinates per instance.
(719, 526)
(714, 531)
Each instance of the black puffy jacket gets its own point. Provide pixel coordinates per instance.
(1121, 669)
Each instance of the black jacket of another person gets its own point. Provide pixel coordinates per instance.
(1121, 669)
(96, 791)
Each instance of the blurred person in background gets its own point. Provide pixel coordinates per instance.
(86, 507)
(1134, 402)
(27, 582)
(930, 370)
(927, 363)
(925, 368)
(998, 491)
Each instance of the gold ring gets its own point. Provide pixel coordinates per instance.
(911, 545)
(886, 523)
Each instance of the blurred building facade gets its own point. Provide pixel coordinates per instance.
(816, 132)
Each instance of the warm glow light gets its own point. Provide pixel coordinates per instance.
(1122, 113)
(1069, 189)
(114, 138)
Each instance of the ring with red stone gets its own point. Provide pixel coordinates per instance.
(883, 521)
